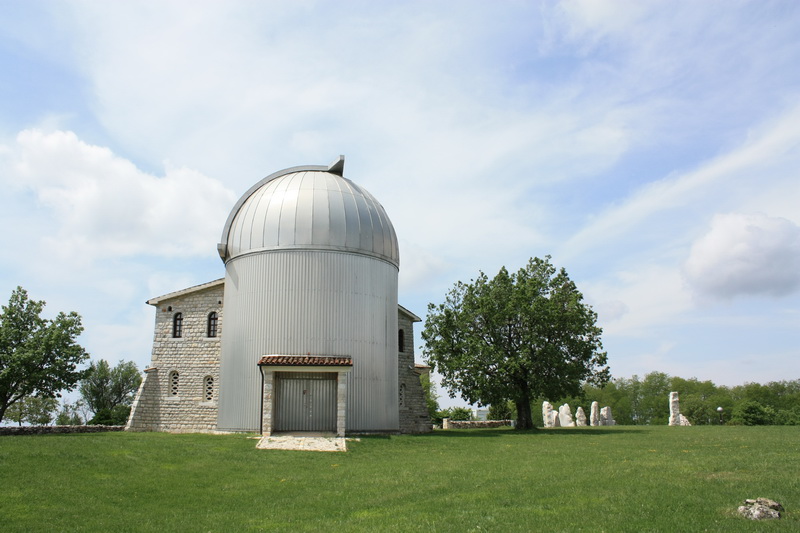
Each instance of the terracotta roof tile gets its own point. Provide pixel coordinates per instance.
(304, 360)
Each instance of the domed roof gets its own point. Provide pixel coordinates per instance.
(312, 208)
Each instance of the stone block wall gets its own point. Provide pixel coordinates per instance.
(166, 403)
(50, 430)
(468, 424)
(413, 409)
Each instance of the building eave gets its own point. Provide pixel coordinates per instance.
(204, 286)
(409, 314)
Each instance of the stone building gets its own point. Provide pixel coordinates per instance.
(304, 332)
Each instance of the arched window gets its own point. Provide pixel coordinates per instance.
(401, 340)
(208, 392)
(177, 325)
(211, 329)
(173, 383)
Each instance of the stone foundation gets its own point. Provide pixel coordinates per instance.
(50, 430)
(468, 424)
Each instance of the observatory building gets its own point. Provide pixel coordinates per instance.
(304, 332)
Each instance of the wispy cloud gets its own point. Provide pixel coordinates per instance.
(746, 254)
(103, 206)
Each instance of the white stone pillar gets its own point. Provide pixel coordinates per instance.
(267, 418)
(580, 417)
(341, 403)
(594, 415)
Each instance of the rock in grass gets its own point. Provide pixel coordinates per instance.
(761, 509)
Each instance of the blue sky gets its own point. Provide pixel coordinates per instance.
(652, 148)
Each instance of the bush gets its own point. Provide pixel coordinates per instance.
(118, 416)
(787, 417)
(453, 413)
(502, 411)
(750, 413)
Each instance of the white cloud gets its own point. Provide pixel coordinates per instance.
(103, 206)
(637, 301)
(745, 254)
(723, 179)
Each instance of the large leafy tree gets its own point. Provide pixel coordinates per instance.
(107, 390)
(515, 337)
(38, 356)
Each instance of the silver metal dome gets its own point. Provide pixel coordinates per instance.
(311, 208)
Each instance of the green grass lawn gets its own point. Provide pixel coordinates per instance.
(585, 479)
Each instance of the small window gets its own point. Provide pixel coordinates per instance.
(177, 325)
(209, 388)
(173, 383)
(402, 395)
(211, 330)
(401, 340)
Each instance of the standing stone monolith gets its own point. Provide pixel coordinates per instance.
(594, 414)
(606, 419)
(675, 416)
(565, 416)
(548, 415)
(580, 417)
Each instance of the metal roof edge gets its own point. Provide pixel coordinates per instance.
(412, 316)
(158, 299)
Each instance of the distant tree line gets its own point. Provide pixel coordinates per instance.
(106, 394)
(40, 359)
(645, 401)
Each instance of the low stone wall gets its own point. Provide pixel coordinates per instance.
(467, 424)
(49, 430)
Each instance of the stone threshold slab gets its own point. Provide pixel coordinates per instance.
(307, 444)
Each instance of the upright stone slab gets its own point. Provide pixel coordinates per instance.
(675, 416)
(580, 417)
(594, 415)
(565, 416)
(606, 418)
(674, 410)
(547, 414)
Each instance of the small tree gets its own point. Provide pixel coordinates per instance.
(431, 398)
(117, 416)
(38, 357)
(33, 410)
(104, 388)
(455, 413)
(69, 415)
(501, 411)
(517, 336)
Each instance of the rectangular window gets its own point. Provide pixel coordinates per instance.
(211, 330)
(177, 325)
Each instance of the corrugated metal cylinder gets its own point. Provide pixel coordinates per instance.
(318, 303)
(311, 263)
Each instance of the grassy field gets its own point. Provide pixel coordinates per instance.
(585, 479)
